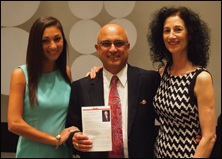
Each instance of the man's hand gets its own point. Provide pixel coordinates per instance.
(81, 142)
(198, 138)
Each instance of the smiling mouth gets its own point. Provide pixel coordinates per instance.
(52, 52)
(173, 43)
(113, 56)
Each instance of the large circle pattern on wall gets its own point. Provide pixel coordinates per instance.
(85, 9)
(13, 53)
(119, 9)
(130, 29)
(83, 64)
(83, 36)
(17, 12)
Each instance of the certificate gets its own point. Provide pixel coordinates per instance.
(96, 125)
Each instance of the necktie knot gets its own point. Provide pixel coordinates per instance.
(114, 80)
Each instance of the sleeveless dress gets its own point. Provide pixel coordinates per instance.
(49, 116)
(177, 109)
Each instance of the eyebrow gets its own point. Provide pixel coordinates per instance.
(46, 37)
(178, 25)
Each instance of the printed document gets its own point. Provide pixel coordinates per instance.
(96, 125)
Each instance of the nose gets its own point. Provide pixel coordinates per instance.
(52, 45)
(172, 34)
(112, 48)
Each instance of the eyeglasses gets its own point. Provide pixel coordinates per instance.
(117, 43)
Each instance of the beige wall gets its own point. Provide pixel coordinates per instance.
(210, 11)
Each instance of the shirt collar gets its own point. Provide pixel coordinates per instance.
(122, 75)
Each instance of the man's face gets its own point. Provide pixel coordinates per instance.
(113, 47)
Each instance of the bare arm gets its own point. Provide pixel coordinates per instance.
(206, 107)
(16, 124)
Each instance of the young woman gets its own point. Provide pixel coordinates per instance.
(40, 92)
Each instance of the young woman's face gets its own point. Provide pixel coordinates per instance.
(175, 35)
(52, 43)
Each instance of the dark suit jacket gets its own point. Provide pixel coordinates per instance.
(106, 119)
(142, 85)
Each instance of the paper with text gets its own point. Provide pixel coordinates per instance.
(96, 125)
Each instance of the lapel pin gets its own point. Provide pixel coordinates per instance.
(143, 102)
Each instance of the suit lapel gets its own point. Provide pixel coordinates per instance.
(96, 90)
(134, 84)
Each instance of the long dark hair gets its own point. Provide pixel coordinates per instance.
(35, 55)
(198, 45)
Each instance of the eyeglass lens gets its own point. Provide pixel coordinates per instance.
(117, 43)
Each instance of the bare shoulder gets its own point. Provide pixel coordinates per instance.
(204, 78)
(68, 71)
(161, 70)
(18, 76)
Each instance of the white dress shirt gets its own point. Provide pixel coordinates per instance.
(122, 87)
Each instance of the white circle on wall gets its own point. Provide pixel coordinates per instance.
(119, 9)
(14, 13)
(83, 64)
(130, 29)
(83, 36)
(85, 9)
(14, 42)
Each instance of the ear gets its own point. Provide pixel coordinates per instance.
(97, 48)
(128, 47)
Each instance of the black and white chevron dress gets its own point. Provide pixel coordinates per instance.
(178, 116)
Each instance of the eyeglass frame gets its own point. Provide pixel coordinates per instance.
(112, 43)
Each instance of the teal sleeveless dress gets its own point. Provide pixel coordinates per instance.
(49, 116)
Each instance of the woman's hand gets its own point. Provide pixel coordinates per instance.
(65, 134)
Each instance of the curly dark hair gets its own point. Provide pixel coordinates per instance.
(198, 45)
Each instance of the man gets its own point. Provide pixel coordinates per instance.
(106, 117)
(136, 88)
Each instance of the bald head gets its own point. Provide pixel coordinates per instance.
(112, 29)
(113, 47)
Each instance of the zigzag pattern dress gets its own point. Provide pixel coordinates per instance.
(178, 116)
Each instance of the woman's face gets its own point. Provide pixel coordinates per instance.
(52, 43)
(175, 35)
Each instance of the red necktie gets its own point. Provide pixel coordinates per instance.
(116, 121)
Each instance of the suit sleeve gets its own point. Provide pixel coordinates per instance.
(73, 114)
